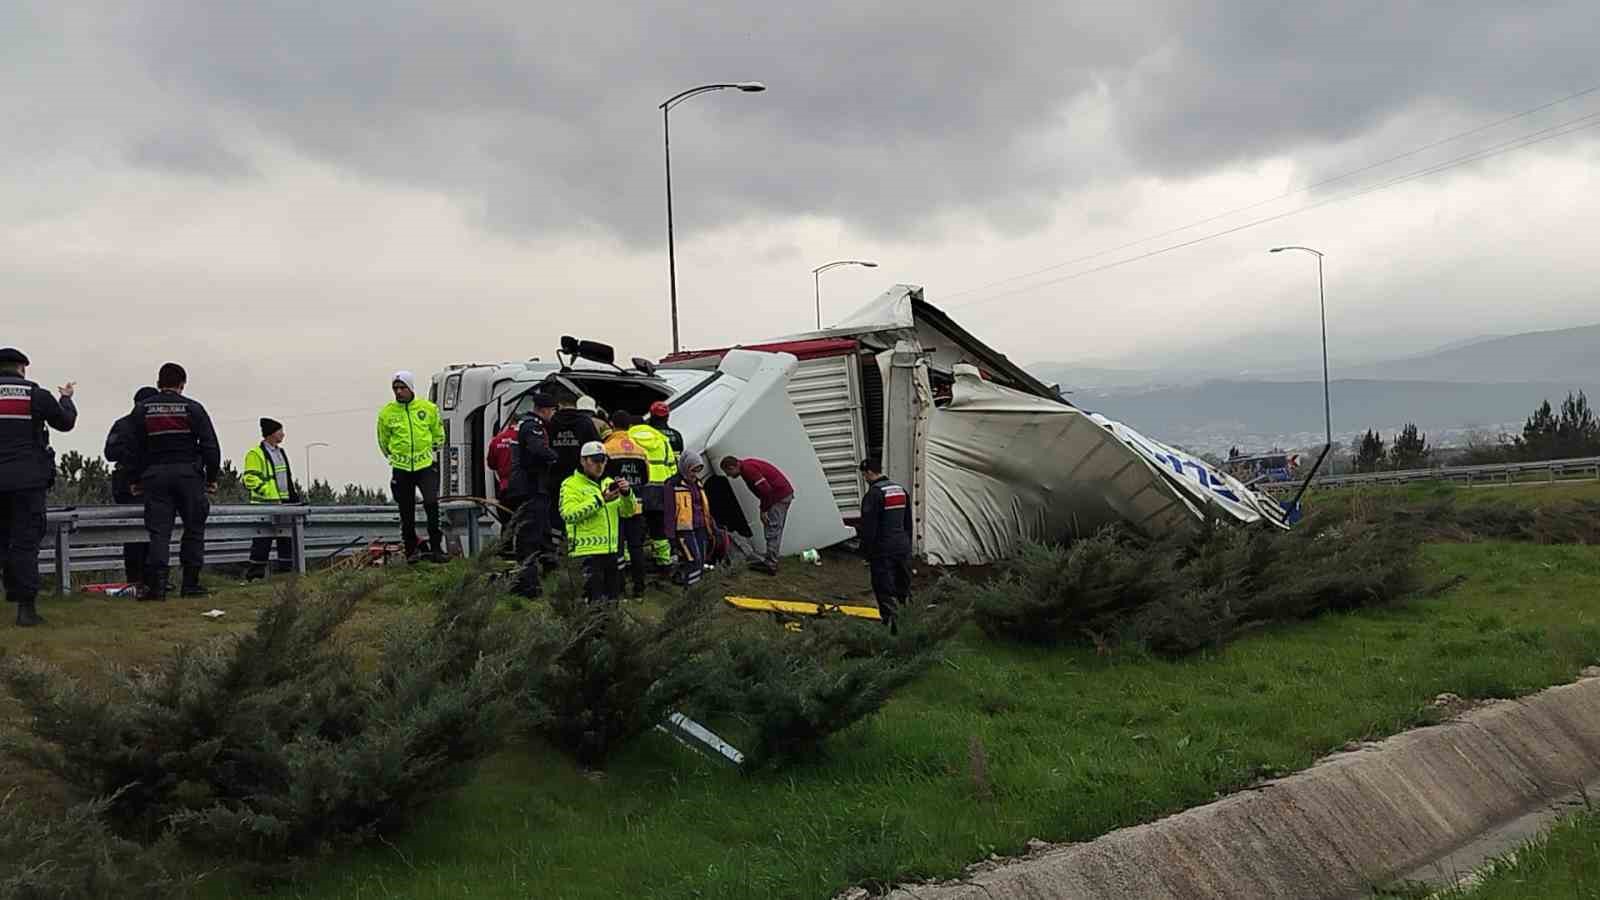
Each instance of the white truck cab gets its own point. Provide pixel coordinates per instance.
(740, 407)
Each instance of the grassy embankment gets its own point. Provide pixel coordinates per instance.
(995, 745)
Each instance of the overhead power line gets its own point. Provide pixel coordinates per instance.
(1581, 123)
(1260, 203)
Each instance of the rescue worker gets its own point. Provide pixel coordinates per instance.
(122, 450)
(663, 462)
(626, 460)
(687, 517)
(269, 479)
(591, 506)
(885, 532)
(179, 460)
(409, 431)
(569, 429)
(659, 412)
(530, 488)
(26, 472)
(502, 459)
(774, 492)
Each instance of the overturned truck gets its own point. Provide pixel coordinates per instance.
(992, 456)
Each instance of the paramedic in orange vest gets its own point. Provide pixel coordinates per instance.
(626, 460)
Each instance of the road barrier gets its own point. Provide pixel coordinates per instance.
(90, 538)
(1554, 470)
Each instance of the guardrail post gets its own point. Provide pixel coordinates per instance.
(474, 532)
(64, 558)
(297, 530)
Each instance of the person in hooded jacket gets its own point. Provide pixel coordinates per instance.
(409, 434)
(121, 450)
(26, 471)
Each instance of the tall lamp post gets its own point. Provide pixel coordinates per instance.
(751, 87)
(308, 463)
(1327, 405)
(816, 279)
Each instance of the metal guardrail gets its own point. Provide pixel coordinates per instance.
(90, 538)
(1554, 469)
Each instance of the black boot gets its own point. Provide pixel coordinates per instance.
(191, 583)
(154, 587)
(28, 614)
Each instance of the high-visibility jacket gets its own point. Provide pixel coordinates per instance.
(686, 502)
(260, 476)
(408, 433)
(627, 460)
(658, 450)
(592, 521)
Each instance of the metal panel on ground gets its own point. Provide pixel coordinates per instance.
(826, 393)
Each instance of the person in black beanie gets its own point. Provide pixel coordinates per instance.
(268, 478)
(121, 449)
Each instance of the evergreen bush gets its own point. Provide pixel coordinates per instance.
(278, 743)
(73, 855)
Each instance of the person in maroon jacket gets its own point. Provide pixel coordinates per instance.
(774, 491)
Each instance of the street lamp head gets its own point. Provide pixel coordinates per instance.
(870, 265)
(1277, 249)
(751, 87)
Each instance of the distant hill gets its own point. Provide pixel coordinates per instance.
(1215, 415)
(1563, 355)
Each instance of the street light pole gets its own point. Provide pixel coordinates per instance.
(1327, 404)
(666, 146)
(816, 279)
(308, 463)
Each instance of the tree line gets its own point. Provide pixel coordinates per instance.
(86, 481)
(1565, 432)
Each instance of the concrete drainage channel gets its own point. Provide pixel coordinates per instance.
(1423, 805)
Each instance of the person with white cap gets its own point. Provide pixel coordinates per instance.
(591, 508)
(409, 433)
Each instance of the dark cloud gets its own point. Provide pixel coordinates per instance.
(541, 118)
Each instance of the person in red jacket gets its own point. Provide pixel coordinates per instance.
(501, 456)
(775, 492)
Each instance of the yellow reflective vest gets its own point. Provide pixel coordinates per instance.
(408, 433)
(592, 521)
(658, 450)
(260, 477)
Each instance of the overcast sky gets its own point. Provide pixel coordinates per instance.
(296, 198)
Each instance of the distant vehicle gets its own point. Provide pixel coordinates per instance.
(1265, 467)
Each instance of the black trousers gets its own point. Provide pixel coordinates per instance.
(173, 491)
(133, 553)
(405, 486)
(633, 530)
(602, 580)
(261, 549)
(891, 583)
(21, 531)
(531, 544)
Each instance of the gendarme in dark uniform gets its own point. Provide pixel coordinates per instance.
(885, 533)
(179, 460)
(26, 471)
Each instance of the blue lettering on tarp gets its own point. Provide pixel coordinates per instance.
(1180, 466)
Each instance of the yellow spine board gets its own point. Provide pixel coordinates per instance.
(800, 607)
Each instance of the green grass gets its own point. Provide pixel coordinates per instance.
(1564, 862)
(996, 745)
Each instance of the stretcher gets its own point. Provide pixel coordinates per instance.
(801, 607)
